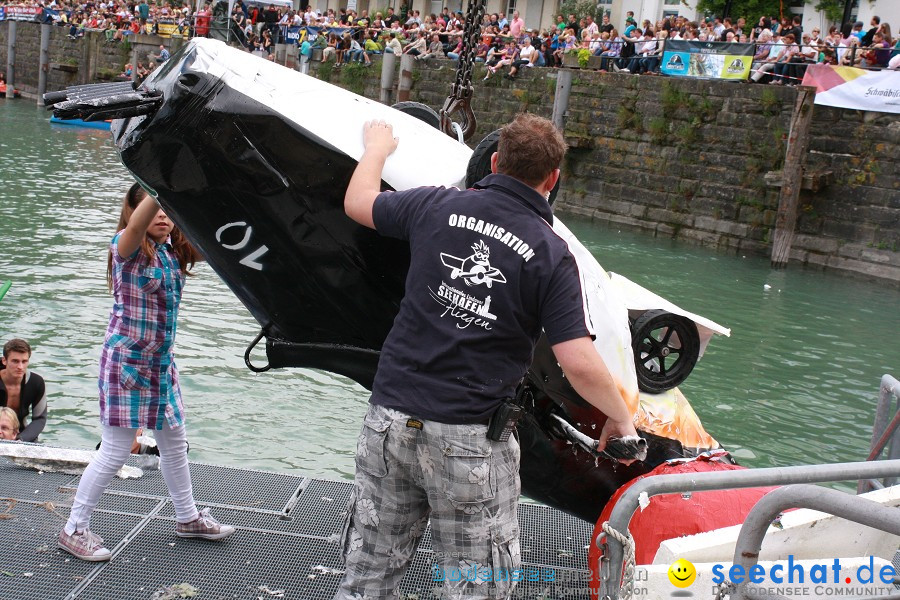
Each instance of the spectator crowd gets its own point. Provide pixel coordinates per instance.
(782, 48)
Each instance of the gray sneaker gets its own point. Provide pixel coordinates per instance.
(204, 526)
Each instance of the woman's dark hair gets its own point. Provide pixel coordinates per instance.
(186, 254)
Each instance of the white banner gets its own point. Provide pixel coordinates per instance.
(858, 89)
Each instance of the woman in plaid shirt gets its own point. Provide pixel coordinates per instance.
(148, 261)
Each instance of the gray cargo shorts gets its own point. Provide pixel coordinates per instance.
(409, 470)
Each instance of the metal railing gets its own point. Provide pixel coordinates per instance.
(753, 531)
(884, 434)
(613, 555)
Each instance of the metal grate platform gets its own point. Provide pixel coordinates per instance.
(286, 540)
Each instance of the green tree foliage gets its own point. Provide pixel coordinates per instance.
(580, 8)
(833, 9)
(751, 10)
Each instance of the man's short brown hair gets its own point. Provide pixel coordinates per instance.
(16, 345)
(530, 148)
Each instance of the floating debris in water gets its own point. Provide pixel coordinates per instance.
(174, 592)
(271, 592)
(323, 570)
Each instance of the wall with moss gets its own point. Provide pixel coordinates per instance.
(72, 61)
(688, 158)
(680, 158)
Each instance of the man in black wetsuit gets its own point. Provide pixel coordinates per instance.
(22, 390)
(487, 275)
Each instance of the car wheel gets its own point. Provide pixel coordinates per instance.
(480, 162)
(422, 112)
(666, 348)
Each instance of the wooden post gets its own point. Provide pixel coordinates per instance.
(561, 97)
(792, 176)
(134, 59)
(11, 60)
(45, 63)
(406, 68)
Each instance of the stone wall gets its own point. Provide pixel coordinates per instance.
(89, 59)
(678, 157)
(688, 158)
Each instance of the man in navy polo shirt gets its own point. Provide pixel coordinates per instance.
(487, 275)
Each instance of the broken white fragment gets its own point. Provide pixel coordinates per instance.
(643, 500)
(57, 460)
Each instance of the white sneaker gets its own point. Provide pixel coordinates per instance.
(624, 71)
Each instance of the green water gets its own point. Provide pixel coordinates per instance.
(795, 383)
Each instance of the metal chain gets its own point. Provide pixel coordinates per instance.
(626, 591)
(461, 94)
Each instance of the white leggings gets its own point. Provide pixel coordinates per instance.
(113, 453)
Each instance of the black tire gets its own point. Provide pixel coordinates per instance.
(422, 112)
(657, 336)
(480, 162)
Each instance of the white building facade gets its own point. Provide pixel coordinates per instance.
(653, 10)
(539, 14)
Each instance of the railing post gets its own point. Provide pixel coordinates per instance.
(792, 176)
(11, 59)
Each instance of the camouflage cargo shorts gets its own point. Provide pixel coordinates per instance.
(409, 471)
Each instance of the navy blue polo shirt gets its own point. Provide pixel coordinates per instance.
(487, 273)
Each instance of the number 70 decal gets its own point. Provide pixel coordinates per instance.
(251, 259)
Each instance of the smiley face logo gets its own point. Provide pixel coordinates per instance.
(682, 573)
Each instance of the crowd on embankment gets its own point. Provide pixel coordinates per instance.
(679, 156)
(782, 48)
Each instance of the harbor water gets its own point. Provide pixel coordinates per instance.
(796, 382)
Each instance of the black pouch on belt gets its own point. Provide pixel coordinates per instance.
(503, 421)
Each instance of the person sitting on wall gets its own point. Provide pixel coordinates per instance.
(416, 45)
(370, 45)
(393, 45)
(142, 71)
(163, 55)
(435, 49)
(23, 391)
